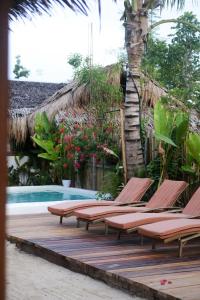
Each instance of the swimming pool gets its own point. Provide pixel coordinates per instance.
(46, 195)
(35, 199)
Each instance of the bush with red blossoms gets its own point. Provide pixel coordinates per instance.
(81, 142)
(71, 145)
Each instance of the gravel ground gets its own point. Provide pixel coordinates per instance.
(32, 278)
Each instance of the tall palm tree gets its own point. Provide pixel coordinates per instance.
(136, 29)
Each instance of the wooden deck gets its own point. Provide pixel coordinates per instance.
(153, 274)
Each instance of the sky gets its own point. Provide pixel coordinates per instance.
(45, 42)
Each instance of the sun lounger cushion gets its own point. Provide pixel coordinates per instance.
(64, 208)
(193, 206)
(93, 213)
(133, 190)
(166, 229)
(169, 189)
(133, 220)
(165, 196)
(131, 193)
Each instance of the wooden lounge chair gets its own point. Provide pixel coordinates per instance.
(164, 198)
(182, 230)
(132, 193)
(129, 222)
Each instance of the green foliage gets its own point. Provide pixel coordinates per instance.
(69, 145)
(154, 168)
(171, 128)
(75, 60)
(28, 173)
(103, 94)
(19, 70)
(176, 65)
(170, 124)
(192, 165)
(113, 183)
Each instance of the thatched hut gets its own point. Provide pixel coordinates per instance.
(25, 96)
(28, 98)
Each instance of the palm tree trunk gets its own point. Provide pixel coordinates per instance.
(135, 32)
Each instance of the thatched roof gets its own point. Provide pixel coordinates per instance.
(75, 98)
(26, 95)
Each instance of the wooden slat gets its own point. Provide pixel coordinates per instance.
(123, 263)
(4, 7)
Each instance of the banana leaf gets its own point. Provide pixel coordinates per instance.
(165, 139)
(48, 156)
(182, 124)
(193, 145)
(164, 120)
(47, 145)
(188, 169)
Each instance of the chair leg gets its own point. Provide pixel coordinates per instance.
(87, 225)
(153, 245)
(61, 219)
(181, 245)
(119, 235)
(106, 229)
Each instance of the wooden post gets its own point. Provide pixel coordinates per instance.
(94, 174)
(4, 6)
(123, 144)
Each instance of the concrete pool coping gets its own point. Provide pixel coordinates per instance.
(40, 207)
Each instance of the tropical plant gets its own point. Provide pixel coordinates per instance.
(105, 95)
(69, 145)
(176, 64)
(19, 70)
(171, 128)
(23, 8)
(135, 19)
(192, 165)
(28, 172)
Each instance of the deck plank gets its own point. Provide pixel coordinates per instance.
(122, 263)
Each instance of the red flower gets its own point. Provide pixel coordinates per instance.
(65, 166)
(82, 156)
(68, 147)
(77, 165)
(67, 138)
(62, 130)
(70, 156)
(163, 281)
(78, 149)
(76, 126)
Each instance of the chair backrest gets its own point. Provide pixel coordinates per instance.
(193, 206)
(167, 194)
(134, 190)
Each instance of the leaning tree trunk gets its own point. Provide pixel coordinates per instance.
(135, 32)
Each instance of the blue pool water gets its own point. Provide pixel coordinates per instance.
(45, 196)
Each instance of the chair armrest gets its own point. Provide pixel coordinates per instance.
(138, 204)
(175, 210)
(159, 209)
(194, 217)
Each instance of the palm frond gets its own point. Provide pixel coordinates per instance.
(179, 4)
(26, 8)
